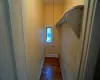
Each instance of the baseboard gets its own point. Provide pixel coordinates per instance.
(51, 55)
(41, 69)
(62, 74)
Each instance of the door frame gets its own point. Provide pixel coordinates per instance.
(90, 41)
(18, 38)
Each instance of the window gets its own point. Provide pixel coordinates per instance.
(48, 34)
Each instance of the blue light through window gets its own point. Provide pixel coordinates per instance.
(48, 34)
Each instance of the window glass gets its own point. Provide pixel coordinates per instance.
(48, 34)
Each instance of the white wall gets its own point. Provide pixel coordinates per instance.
(50, 19)
(70, 53)
(34, 36)
(71, 46)
(28, 39)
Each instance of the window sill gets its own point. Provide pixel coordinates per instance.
(51, 44)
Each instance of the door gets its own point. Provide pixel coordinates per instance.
(7, 71)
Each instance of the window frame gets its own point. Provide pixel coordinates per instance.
(46, 35)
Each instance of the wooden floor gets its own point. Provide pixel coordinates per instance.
(51, 69)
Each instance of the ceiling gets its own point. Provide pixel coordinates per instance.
(51, 1)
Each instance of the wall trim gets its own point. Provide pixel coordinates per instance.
(62, 74)
(41, 66)
(52, 55)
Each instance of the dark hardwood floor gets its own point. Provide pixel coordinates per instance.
(51, 70)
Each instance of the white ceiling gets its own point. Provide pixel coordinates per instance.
(51, 1)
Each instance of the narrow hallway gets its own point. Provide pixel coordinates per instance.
(51, 69)
(49, 39)
(34, 30)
